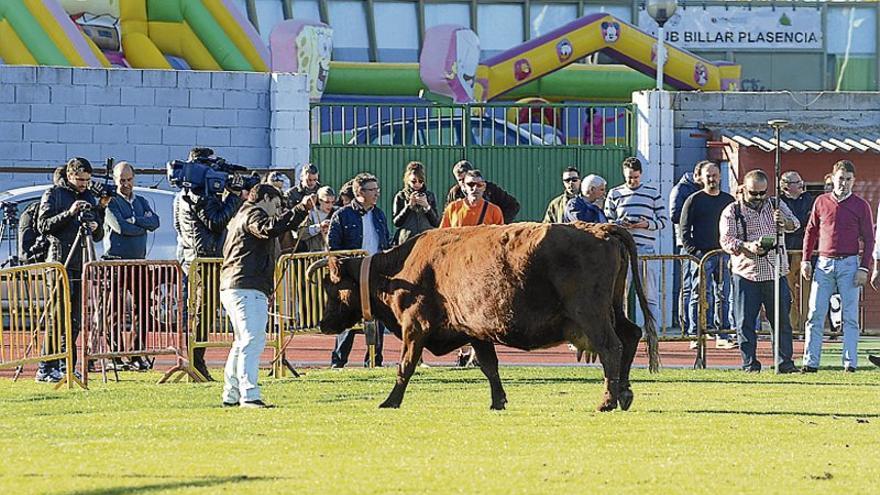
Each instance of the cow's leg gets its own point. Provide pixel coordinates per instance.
(489, 364)
(597, 332)
(629, 334)
(410, 354)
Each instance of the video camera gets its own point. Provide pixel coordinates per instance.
(9, 209)
(210, 175)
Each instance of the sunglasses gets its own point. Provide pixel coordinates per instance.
(758, 193)
(571, 179)
(475, 185)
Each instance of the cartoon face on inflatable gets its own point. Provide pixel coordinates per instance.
(701, 74)
(564, 50)
(449, 61)
(522, 69)
(314, 48)
(610, 31)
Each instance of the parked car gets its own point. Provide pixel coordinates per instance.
(161, 244)
(448, 131)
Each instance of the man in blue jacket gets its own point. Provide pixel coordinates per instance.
(128, 220)
(686, 186)
(359, 225)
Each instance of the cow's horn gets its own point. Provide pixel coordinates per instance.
(317, 265)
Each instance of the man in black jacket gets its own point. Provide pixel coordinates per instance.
(200, 219)
(64, 208)
(246, 283)
(493, 193)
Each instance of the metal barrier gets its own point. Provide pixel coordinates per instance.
(35, 318)
(800, 300)
(207, 323)
(299, 305)
(664, 291)
(133, 308)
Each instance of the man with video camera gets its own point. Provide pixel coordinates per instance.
(64, 208)
(200, 219)
(247, 281)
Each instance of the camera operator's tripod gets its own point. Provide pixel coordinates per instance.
(9, 232)
(86, 244)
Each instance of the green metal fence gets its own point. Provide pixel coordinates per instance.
(523, 148)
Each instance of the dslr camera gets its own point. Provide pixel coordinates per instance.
(210, 175)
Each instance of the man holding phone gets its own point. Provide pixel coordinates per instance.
(748, 233)
(640, 209)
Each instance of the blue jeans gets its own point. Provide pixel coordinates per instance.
(650, 286)
(829, 277)
(747, 301)
(685, 298)
(248, 310)
(345, 340)
(718, 288)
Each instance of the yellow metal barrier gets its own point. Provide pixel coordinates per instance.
(664, 290)
(299, 305)
(35, 318)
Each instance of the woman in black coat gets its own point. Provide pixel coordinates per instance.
(415, 207)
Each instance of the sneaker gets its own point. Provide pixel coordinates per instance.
(875, 360)
(784, 370)
(50, 376)
(849, 369)
(694, 344)
(230, 404)
(809, 369)
(255, 404)
(721, 343)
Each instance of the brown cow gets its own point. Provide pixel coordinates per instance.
(525, 285)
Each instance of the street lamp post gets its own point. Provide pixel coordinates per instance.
(660, 11)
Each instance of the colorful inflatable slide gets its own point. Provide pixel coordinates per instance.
(449, 65)
(35, 32)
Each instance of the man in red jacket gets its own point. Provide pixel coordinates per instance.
(838, 222)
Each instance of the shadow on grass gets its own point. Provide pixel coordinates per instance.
(208, 481)
(777, 413)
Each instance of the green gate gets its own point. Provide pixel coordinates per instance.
(522, 148)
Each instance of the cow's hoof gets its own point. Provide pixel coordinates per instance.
(607, 405)
(389, 405)
(625, 399)
(498, 406)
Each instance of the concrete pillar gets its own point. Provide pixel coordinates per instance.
(289, 122)
(655, 140)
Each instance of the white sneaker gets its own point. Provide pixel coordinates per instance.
(721, 343)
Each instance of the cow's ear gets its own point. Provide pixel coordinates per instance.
(334, 266)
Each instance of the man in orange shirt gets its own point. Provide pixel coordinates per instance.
(473, 209)
(469, 211)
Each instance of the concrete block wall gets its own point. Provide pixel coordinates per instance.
(48, 114)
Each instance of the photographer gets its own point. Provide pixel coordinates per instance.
(748, 233)
(246, 283)
(200, 219)
(64, 208)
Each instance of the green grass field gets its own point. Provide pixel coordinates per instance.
(688, 432)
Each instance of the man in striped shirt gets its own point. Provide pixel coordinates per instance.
(640, 209)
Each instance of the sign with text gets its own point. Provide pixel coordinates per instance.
(764, 28)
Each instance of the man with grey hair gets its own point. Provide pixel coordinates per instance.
(800, 203)
(584, 206)
(129, 218)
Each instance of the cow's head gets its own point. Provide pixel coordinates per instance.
(343, 307)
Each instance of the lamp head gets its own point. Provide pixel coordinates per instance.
(661, 10)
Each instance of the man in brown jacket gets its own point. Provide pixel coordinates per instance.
(246, 282)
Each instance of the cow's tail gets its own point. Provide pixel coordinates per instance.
(650, 323)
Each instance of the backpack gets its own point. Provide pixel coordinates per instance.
(28, 233)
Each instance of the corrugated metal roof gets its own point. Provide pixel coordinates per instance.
(806, 139)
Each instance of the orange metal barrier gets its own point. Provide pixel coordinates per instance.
(133, 308)
(35, 318)
(299, 305)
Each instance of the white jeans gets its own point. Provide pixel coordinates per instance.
(248, 309)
